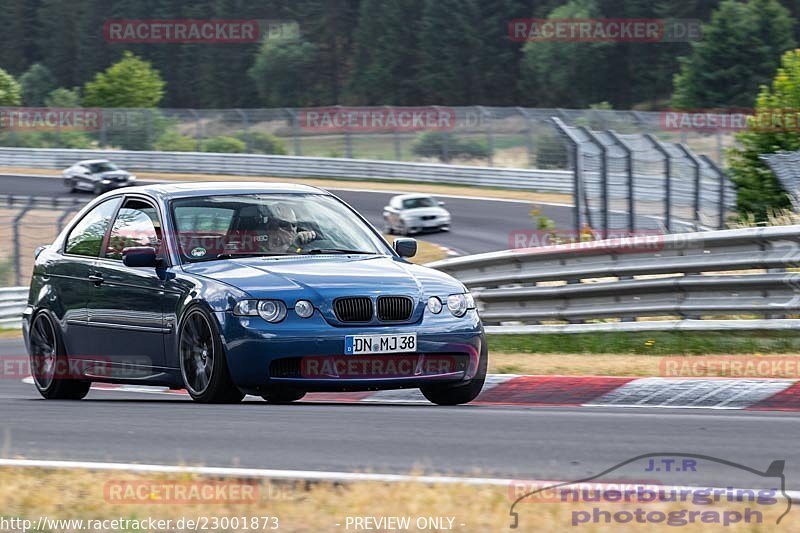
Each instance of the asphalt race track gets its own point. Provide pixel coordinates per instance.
(477, 225)
(508, 442)
(544, 443)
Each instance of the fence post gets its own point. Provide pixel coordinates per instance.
(629, 176)
(603, 175)
(668, 178)
(489, 117)
(17, 248)
(245, 125)
(577, 172)
(294, 124)
(721, 175)
(696, 165)
(529, 136)
(104, 119)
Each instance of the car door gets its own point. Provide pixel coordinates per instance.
(126, 310)
(71, 275)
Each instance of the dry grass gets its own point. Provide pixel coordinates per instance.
(10, 333)
(427, 252)
(31, 494)
(343, 183)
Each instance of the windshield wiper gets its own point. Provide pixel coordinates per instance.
(338, 251)
(235, 256)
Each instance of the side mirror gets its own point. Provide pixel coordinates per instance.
(140, 256)
(405, 247)
(441, 204)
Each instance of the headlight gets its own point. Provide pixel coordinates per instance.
(434, 305)
(459, 304)
(269, 310)
(304, 308)
(105, 182)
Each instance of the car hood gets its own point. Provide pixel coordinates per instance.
(425, 211)
(110, 174)
(326, 277)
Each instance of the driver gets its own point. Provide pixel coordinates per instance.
(281, 231)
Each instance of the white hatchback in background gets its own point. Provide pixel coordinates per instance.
(414, 213)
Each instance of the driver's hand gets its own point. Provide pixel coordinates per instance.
(305, 237)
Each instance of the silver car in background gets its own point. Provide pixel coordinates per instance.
(415, 213)
(97, 176)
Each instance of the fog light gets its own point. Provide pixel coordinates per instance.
(434, 305)
(304, 308)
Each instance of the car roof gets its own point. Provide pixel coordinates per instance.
(168, 191)
(92, 161)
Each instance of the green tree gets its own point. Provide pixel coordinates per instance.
(36, 83)
(10, 91)
(758, 189)
(283, 71)
(739, 52)
(62, 97)
(449, 70)
(131, 82)
(385, 51)
(561, 73)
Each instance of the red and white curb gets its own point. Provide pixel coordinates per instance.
(583, 391)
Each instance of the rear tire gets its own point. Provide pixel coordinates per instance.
(461, 393)
(204, 365)
(283, 395)
(49, 359)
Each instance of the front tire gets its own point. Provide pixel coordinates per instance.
(460, 393)
(204, 366)
(49, 361)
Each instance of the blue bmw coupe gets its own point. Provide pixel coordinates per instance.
(227, 289)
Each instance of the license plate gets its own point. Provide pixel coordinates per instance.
(361, 344)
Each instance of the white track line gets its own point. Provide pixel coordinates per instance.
(299, 475)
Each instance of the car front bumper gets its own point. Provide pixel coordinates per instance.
(253, 345)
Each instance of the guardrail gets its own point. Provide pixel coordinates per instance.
(12, 303)
(294, 167)
(558, 288)
(699, 278)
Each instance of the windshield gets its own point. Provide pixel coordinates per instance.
(222, 227)
(102, 167)
(424, 201)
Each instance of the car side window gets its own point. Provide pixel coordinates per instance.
(86, 238)
(137, 224)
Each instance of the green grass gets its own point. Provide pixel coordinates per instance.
(661, 343)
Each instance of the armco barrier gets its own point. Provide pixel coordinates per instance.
(745, 275)
(556, 181)
(12, 303)
(676, 275)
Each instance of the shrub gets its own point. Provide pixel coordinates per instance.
(258, 142)
(46, 139)
(172, 141)
(446, 146)
(551, 151)
(223, 145)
